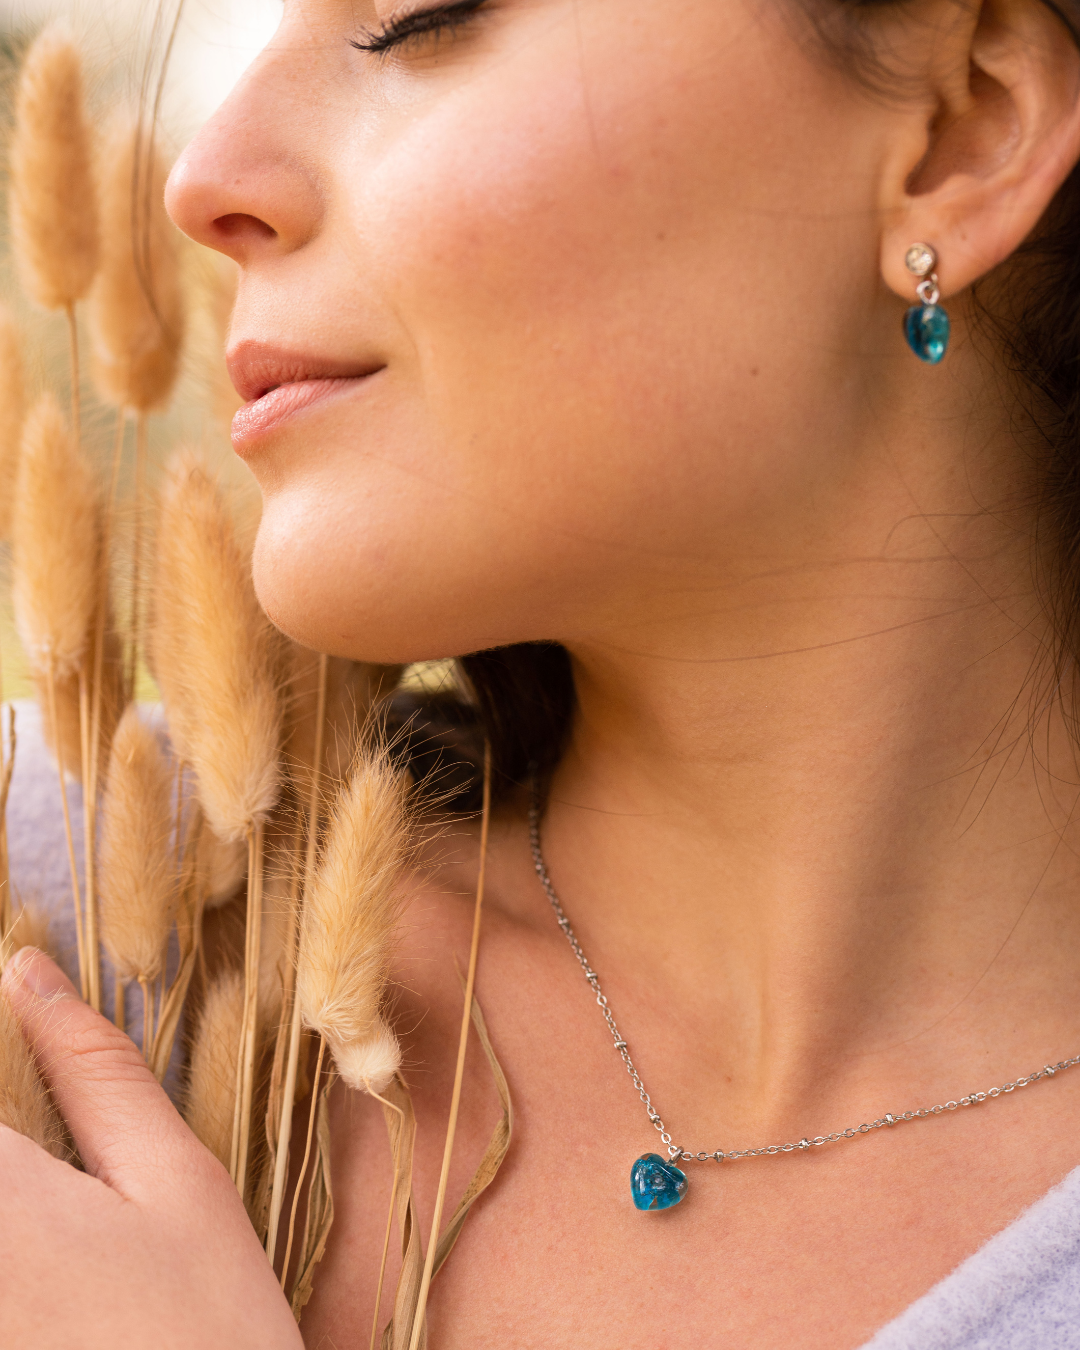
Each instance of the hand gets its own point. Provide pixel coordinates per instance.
(151, 1246)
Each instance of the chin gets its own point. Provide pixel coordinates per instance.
(383, 601)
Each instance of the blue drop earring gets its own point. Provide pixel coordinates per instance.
(926, 325)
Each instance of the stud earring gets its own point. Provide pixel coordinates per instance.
(926, 325)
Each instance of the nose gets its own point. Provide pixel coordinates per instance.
(240, 189)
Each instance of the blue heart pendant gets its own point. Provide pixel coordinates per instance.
(926, 328)
(656, 1183)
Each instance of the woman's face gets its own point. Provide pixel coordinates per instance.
(592, 287)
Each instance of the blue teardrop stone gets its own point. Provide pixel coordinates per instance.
(656, 1183)
(926, 328)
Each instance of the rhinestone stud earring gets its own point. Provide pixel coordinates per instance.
(926, 325)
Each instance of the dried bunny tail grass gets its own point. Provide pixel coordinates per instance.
(215, 655)
(221, 868)
(29, 928)
(279, 892)
(25, 1105)
(56, 544)
(211, 1095)
(69, 750)
(353, 688)
(137, 308)
(418, 1331)
(307, 680)
(349, 915)
(138, 892)
(12, 415)
(54, 224)
(369, 1065)
(65, 741)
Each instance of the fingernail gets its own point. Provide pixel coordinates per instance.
(36, 973)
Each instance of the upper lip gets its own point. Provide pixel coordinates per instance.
(256, 368)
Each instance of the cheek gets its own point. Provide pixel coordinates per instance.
(613, 350)
(612, 270)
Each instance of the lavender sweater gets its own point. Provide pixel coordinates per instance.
(1021, 1291)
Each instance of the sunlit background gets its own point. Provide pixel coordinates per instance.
(216, 40)
(124, 43)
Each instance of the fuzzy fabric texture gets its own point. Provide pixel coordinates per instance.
(1021, 1291)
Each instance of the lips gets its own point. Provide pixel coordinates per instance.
(276, 384)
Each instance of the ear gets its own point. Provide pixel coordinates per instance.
(1001, 137)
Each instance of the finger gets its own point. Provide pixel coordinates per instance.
(127, 1131)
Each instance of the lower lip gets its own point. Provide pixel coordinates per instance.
(264, 414)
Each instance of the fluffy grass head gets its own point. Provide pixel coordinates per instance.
(215, 655)
(138, 890)
(211, 1095)
(56, 543)
(54, 222)
(347, 932)
(25, 1105)
(137, 303)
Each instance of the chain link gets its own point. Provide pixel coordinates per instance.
(675, 1151)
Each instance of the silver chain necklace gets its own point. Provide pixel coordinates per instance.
(657, 1183)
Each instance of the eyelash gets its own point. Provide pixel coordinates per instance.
(418, 24)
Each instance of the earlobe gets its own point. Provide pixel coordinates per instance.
(997, 150)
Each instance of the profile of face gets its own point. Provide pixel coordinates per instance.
(561, 308)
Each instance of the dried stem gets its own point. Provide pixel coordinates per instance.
(7, 768)
(102, 612)
(136, 553)
(390, 1213)
(178, 814)
(189, 933)
(147, 1016)
(245, 1068)
(307, 1158)
(93, 770)
(463, 1041)
(119, 1000)
(76, 401)
(284, 1139)
(80, 939)
(89, 796)
(89, 965)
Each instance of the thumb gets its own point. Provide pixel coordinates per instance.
(124, 1126)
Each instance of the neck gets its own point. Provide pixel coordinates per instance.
(818, 808)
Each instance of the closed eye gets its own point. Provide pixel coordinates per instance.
(418, 23)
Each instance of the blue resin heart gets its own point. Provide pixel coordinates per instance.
(926, 328)
(655, 1183)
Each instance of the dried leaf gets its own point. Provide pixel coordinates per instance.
(402, 1131)
(320, 1207)
(485, 1174)
(494, 1154)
